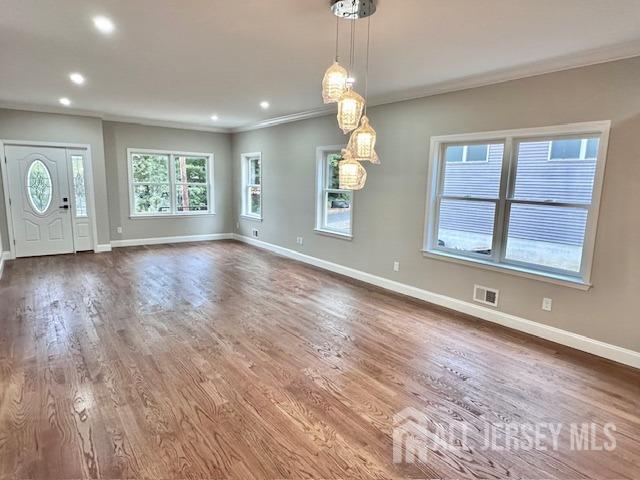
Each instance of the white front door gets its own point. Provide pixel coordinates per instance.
(40, 200)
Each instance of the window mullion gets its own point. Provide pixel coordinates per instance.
(246, 166)
(208, 184)
(325, 212)
(172, 183)
(325, 187)
(439, 188)
(506, 187)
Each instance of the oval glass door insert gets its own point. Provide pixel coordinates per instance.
(39, 186)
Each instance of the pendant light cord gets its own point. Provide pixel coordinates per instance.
(337, 36)
(366, 75)
(352, 50)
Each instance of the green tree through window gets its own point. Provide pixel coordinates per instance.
(154, 184)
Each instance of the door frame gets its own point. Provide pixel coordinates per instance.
(88, 179)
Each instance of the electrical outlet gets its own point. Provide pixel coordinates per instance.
(254, 232)
(237, 225)
(299, 240)
(396, 266)
(119, 229)
(547, 304)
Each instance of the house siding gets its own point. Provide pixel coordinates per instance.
(537, 178)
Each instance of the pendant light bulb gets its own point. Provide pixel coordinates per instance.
(352, 175)
(350, 107)
(362, 143)
(334, 83)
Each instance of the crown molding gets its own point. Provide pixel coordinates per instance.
(556, 64)
(149, 122)
(294, 117)
(552, 65)
(37, 108)
(40, 108)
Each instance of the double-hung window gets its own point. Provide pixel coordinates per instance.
(170, 183)
(333, 205)
(530, 206)
(252, 185)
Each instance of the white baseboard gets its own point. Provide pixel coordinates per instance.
(557, 335)
(102, 248)
(163, 240)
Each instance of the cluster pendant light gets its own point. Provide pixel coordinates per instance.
(351, 174)
(362, 143)
(334, 83)
(350, 108)
(337, 88)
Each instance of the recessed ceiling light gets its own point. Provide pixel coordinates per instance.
(214, 117)
(77, 78)
(104, 24)
(65, 101)
(264, 105)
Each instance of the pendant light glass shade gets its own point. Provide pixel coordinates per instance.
(350, 109)
(352, 175)
(362, 143)
(334, 83)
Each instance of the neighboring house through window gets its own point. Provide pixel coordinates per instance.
(467, 153)
(573, 149)
(333, 205)
(252, 185)
(517, 210)
(165, 183)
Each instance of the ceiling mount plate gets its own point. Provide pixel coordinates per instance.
(353, 9)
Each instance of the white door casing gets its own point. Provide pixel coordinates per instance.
(42, 225)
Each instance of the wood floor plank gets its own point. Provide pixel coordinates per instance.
(219, 360)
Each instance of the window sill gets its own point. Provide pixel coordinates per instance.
(329, 233)
(556, 279)
(172, 215)
(250, 218)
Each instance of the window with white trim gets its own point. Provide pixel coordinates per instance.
(252, 185)
(518, 209)
(165, 183)
(333, 205)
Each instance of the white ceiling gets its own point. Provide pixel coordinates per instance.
(180, 61)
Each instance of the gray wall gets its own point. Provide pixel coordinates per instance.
(109, 142)
(389, 214)
(120, 136)
(34, 126)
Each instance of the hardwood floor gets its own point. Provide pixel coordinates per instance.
(218, 360)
